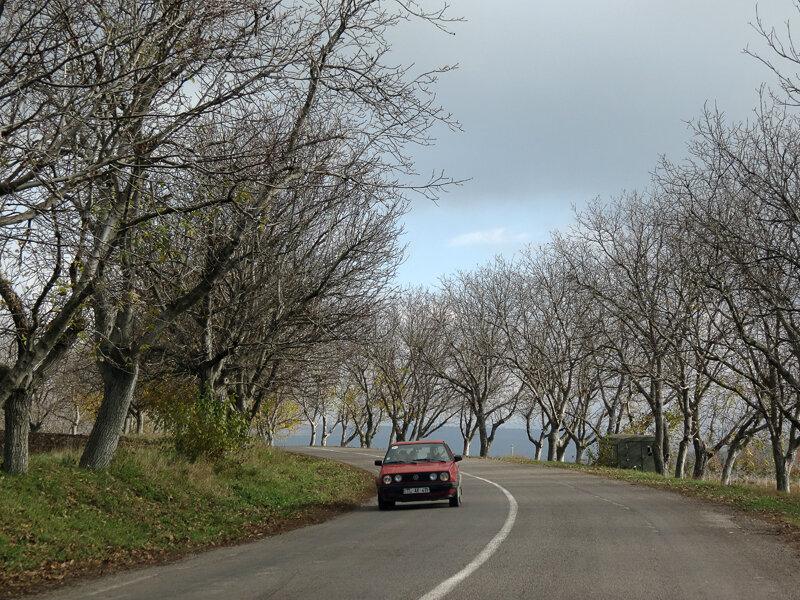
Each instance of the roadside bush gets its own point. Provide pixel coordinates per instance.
(606, 454)
(206, 428)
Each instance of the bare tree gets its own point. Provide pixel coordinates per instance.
(414, 399)
(546, 323)
(473, 359)
(317, 161)
(623, 260)
(124, 96)
(93, 96)
(740, 197)
(104, 95)
(314, 392)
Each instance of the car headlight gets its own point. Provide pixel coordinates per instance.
(387, 479)
(432, 476)
(398, 478)
(444, 476)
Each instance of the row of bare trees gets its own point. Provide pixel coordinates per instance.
(430, 358)
(207, 194)
(691, 293)
(672, 310)
(205, 189)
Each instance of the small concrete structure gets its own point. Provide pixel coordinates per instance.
(627, 452)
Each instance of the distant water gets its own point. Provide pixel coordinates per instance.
(507, 441)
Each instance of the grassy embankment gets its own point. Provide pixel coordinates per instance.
(776, 507)
(59, 522)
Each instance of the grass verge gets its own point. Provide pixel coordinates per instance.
(60, 522)
(776, 507)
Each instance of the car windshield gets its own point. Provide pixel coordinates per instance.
(416, 453)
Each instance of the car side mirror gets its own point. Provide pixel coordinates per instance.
(457, 458)
(378, 463)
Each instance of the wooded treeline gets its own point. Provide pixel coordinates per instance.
(672, 310)
(202, 200)
(196, 192)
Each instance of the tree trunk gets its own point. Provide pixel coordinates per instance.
(781, 473)
(346, 439)
(366, 439)
(740, 440)
(399, 431)
(467, 442)
(325, 433)
(730, 461)
(19, 392)
(313, 439)
(17, 422)
(483, 437)
(680, 459)
(467, 429)
(371, 428)
(561, 449)
(537, 443)
(552, 445)
(139, 422)
(688, 429)
(266, 435)
(783, 457)
(701, 457)
(119, 382)
(73, 428)
(660, 456)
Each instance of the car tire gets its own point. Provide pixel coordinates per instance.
(456, 500)
(385, 504)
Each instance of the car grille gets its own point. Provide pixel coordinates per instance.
(419, 477)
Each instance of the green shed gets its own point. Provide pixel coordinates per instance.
(627, 452)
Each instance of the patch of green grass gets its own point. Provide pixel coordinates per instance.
(776, 506)
(59, 518)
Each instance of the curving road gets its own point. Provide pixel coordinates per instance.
(522, 532)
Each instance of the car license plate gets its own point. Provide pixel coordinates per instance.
(417, 490)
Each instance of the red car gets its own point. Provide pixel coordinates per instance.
(420, 471)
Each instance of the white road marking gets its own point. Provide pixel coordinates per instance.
(444, 588)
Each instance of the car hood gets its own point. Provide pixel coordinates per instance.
(416, 467)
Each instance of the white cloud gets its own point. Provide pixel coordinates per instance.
(498, 236)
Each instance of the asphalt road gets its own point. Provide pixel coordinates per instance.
(522, 532)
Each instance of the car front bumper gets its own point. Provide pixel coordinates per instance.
(409, 493)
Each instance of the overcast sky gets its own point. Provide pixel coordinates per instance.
(562, 101)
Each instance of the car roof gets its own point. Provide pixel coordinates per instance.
(416, 442)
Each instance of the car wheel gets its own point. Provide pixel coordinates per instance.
(456, 500)
(385, 504)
